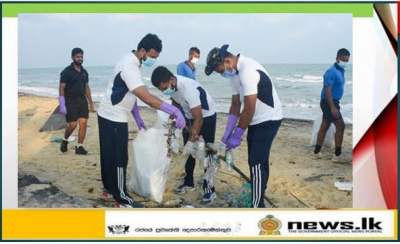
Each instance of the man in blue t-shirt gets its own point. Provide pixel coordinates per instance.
(186, 68)
(331, 94)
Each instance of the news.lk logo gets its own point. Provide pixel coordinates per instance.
(367, 225)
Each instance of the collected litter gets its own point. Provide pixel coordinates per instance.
(330, 134)
(150, 167)
(242, 197)
(344, 185)
(58, 139)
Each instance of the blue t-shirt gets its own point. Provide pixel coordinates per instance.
(334, 77)
(185, 70)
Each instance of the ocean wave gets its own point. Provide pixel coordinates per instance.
(302, 79)
(300, 105)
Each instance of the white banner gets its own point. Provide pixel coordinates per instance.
(251, 223)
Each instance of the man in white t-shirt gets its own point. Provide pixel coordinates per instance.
(120, 100)
(261, 114)
(199, 110)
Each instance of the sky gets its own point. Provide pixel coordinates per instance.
(46, 40)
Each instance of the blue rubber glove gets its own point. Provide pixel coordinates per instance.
(236, 138)
(138, 119)
(63, 108)
(232, 119)
(174, 111)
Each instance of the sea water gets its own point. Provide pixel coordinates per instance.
(298, 86)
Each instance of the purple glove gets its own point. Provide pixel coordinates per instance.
(232, 119)
(174, 111)
(236, 138)
(63, 108)
(138, 119)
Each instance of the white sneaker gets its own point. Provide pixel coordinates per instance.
(317, 156)
(340, 159)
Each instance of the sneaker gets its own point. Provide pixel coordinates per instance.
(106, 194)
(182, 189)
(80, 150)
(340, 159)
(209, 197)
(128, 205)
(317, 155)
(64, 146)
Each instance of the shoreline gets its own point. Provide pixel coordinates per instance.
(285, 119)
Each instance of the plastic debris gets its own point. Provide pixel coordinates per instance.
(344, 185)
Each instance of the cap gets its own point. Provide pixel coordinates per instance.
(214, 57)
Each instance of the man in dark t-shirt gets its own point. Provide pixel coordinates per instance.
(74, 96)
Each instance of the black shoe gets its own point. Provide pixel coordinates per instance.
(64, 146)
(80, 150)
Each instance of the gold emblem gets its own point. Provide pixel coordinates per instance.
(269, 225)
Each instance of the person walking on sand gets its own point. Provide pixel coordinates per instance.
(74, 94)
(331, 94)
(199, 111)
(187, 68)
(262, 112)
(120, 99)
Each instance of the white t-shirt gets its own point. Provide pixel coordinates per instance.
(118, 100)
(191, 94)
(252, 79)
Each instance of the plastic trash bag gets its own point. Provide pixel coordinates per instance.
(330, 134)
(150, 164)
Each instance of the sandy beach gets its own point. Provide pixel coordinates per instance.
(50, 179)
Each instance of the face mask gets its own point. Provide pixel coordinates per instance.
(169, 92)
(194, 60)
(342, 64)
(149, 62)
(227, 74)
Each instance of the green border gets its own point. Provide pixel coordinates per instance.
(358, 10)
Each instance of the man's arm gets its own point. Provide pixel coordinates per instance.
(235, 105)
(197, 122)
(61, 89)
(89, 97)
(334, 110)
(248, 111)
(143, 94)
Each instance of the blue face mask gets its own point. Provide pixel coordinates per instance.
(342, 64)
(227, 74)
(149, 62)
(169, 92)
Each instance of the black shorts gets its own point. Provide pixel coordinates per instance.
(77, 107)
(326, 109)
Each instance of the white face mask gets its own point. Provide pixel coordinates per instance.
(194, 60)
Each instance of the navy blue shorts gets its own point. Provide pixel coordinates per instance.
(326, 109)
(77, 107)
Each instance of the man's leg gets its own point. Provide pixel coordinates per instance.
(118, 171)
(208, 132)
(340, 126)
(68, 131)
(70, 128)
(190, 164)
(325, 124)
(82, 130)
(83, 115)
(262, 138)
(106, 139)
